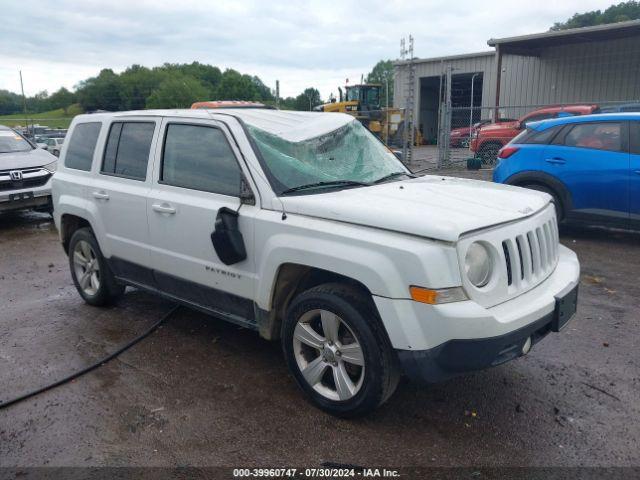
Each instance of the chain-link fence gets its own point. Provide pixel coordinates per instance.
(480, 132)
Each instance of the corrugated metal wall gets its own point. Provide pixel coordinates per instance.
(481, 62)
(584, 72)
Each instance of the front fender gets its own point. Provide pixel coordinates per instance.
(387, 263)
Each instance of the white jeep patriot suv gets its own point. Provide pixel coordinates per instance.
(306, 228)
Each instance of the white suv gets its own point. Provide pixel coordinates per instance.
(305, 228)
(25, 173)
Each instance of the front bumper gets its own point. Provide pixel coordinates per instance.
(456, 357)
(435, 342)
(39, 197)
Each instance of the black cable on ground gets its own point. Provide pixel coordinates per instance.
(149, 331)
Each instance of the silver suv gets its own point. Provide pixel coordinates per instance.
(25, 173)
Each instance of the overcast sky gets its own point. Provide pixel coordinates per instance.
(301, 43)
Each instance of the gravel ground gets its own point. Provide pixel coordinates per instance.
(199, 392)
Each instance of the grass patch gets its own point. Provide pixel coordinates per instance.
(53, 118)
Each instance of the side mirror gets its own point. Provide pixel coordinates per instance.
(227, 239)
(246, 194)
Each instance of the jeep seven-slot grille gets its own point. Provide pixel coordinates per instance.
(531, 255)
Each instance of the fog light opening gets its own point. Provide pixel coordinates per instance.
(527, 346)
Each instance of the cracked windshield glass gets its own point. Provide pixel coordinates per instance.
(348, 154)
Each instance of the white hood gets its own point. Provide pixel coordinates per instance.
(441, 208)
(31, 158)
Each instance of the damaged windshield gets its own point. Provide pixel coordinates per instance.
(349, 156)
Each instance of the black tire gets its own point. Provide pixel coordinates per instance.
(488, 152)
(108, 289)
(556, 199)
(380, 373)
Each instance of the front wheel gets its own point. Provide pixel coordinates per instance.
(337, 350)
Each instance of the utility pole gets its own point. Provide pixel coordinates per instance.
(277, 93)
(24, 104)
(444, 124)
(471, 106)
(409, 131)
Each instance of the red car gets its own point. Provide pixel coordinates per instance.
(459, 137)
(488, 139)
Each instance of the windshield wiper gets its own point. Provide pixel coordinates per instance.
(393, 175)
(332, 183)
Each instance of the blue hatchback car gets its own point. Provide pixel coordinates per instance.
(589, 164)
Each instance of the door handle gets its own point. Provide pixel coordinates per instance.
(101, 195)
(555, 160)
(163, 208)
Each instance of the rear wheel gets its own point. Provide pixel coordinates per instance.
(337, 350)
(91, 274)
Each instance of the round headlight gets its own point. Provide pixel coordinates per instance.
(477, 265)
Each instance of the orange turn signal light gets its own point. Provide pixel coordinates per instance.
(424, 295)
(434, 297)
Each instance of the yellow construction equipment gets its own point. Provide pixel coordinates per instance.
(363, 102)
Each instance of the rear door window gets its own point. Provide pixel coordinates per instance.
(127, 151)
(597, 136)
(82, 146)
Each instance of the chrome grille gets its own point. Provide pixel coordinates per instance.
(31, 178)
(532, 255)
(525, 252)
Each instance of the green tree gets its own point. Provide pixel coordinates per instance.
(39, 102)
(139, 87)
(63, 98)
(382, 73)
(307, 100)
(9, 102)
(615, 13)
(178, 91)
(288, 103)
(235, 86)
(103, 92)
(264, 93)
(137, 83)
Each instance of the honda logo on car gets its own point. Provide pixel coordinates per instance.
(16, 175)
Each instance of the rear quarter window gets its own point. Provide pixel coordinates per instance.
(82, 146)
(536, 137)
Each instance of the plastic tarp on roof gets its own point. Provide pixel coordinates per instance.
(294, 126)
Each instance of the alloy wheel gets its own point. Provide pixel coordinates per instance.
(329, 355)
(87, 268)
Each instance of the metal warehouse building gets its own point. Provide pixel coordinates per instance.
(598, 64)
